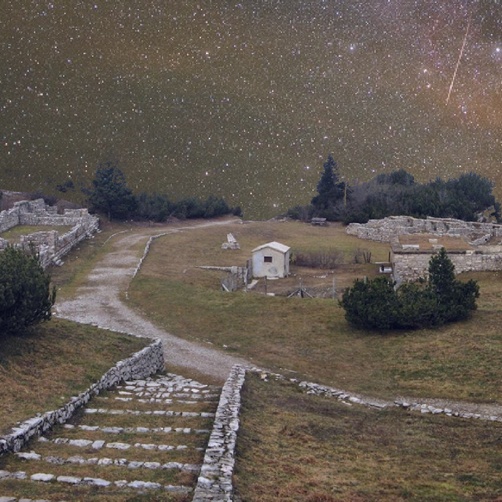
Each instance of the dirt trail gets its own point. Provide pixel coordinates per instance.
(98, 302)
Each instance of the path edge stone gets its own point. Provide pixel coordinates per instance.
(215, 479)
(142, 364)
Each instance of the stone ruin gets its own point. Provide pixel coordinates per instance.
(386, 229)
(231, 243)
(50, 245)
(478, 248)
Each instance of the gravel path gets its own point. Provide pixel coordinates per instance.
(98, 303)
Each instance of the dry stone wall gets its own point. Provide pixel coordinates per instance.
(144, 363)
(409, 266)
(215, 480)
(50, 245)
(410, 262)
(386, 229)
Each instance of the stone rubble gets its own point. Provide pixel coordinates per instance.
(170, 413)
(74, 480)
(385, 229)
(132, 464)
(322, 390)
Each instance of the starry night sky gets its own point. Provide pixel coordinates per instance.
(246, 99)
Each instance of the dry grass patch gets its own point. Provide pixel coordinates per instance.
(59, 491)
(311, 337)
(298, 447)
(43, 369)
(108, 472)
(150, 421)
(13, 235)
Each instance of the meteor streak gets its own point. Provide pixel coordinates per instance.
(458, 60)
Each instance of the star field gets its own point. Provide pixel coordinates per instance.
(246, 99)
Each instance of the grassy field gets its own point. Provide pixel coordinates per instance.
(58, 359)
(293, 446)
(298, 447)
(310, 337)
(42, 370)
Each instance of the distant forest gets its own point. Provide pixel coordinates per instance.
(110, 195)
(468, 197)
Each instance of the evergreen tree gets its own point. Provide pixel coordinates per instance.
(110, 193)
(25, 294)
(376, 304)
(372, 304)
(454, 299)
(331, 192)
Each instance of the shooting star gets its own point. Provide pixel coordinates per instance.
(458, 60)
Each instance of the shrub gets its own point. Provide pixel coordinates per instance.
(25, 294)
(372, 304)
(320, 259)
(377, 304)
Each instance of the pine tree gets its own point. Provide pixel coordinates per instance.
(331, 192)
(25, 294)
(454, 299)
(375, 304)
(110, 193)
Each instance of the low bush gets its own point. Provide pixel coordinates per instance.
(378, 304)
(26, 297)
(318, 259)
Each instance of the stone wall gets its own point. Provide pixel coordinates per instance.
(409, 265)
(144, 363)
(386, 229)
(215, 479)
(50, 245)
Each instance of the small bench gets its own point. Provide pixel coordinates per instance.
(319, 222)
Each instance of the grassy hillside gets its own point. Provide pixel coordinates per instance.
(59, 359)
(297, 447)
(310, 337)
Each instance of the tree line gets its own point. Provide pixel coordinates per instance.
(468, 197)
(110, 194)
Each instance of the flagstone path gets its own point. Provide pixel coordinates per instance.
(144, 437)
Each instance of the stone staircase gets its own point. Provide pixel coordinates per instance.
(143, 440)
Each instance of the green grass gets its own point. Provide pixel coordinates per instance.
(311, 337)
(298, 447)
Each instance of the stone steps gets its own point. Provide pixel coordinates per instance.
(144, 436)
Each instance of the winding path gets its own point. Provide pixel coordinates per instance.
(98, 303)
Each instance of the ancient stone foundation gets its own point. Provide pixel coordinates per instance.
(386, 229)
(410, 266)
(50, 245)
(411, 262)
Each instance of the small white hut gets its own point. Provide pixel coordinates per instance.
(271, 260)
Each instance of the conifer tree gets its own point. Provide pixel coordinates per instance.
(331, 192)
(110, 193)
(26, 297)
